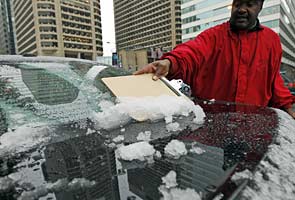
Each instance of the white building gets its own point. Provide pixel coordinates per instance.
(198, 15)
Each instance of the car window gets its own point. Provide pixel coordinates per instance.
(51, 92)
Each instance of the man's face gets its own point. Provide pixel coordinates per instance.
(244, 13)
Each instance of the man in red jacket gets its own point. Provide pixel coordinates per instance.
(237, 61)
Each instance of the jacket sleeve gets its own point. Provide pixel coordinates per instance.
(186, 58)
(281, 95)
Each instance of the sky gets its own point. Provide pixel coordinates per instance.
(108, 28)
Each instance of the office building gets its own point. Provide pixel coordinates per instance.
(145, 29)
(7, 45)
(198, 15)
(58, 28)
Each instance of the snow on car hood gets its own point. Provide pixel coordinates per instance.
(275, 178)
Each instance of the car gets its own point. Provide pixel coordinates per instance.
(63, 135)
(288, 82)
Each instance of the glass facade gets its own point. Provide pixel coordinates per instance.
(278, 15)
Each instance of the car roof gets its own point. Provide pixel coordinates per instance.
(84, 161)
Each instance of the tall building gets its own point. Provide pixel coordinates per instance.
(7, 44)
(144, 29)
(58, 28)
(198, 15)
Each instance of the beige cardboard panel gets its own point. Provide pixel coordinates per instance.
(137, 86)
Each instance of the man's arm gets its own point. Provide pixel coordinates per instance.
(183, 61)
(281, 97)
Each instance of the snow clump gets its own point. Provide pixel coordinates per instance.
(145, 108)
(170, 180)
(136, 151)
(169, 190)
(175, 149)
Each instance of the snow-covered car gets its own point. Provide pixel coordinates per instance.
(63, 135)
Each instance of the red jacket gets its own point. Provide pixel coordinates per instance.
(226, 65)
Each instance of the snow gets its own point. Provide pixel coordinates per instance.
(158, 154)
(23, 138)
(175, 149)
(137, 151)
(196, 149)
(170, 180)
(144, 136)
(146, 108)
(240, 176)
(170, 191)
(119, 138)
(172, 127)
(275, 178)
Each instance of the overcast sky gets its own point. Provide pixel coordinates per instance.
(108, 28)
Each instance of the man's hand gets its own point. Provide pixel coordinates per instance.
(160, 68)
(290, 112)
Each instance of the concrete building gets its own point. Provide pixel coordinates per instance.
(58, 28)
(142, 26)
(7, 44)
(198, 15)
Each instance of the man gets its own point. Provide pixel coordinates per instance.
(237, 61)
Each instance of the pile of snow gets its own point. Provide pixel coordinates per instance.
(60, 185)
(137, 151)
(170, 191)
(175, 149)
(23, 138)
(146, 108)
(275, 178)
(170, 180)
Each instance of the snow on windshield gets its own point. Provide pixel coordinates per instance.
(147, 108)
(23, 138)
(170, 191)
(175, 149)
(137, 151)
(275, 178)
